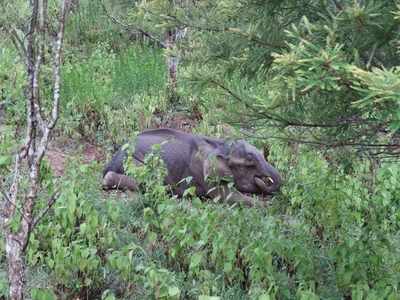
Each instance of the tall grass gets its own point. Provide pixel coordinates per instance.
(139, 71)
(88, 25)
(106, 84)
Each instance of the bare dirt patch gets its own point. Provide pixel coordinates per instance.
(60, 151)
(57, 161)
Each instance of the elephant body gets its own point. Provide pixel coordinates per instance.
(201, 158)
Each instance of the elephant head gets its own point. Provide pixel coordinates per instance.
(247, 166)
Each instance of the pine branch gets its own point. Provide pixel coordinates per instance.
(233, 30)
(130, 27)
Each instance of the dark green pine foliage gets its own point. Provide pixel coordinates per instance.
(320, 72)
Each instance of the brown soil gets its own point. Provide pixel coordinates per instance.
(59, 152)
(57, 161)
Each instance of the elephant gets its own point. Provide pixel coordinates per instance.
(200, 158)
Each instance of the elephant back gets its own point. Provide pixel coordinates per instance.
(177, 149)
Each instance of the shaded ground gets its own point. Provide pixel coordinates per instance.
(59, 152)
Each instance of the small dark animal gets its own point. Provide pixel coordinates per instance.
(200, 157)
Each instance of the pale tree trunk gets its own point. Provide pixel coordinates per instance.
(16, 204)
(171, 59)
(16, 270)
(172, 36)
(168, 42)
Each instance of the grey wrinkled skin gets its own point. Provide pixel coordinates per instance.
(202, 158)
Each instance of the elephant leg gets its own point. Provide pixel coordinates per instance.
(235, 197)
(114, 180)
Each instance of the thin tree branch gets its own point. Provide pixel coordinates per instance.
(371, 56)
(233, 30)
(129, 27)
(284, 122)
(30, 130)
(39, 151)
(336, 144)
(14, 206)
(35, 89)
(57, 65)
(41, 214)
(18, 43)
(9, 206)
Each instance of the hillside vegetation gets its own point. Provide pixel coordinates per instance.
(315, 84)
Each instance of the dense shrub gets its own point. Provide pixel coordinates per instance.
(332, 231)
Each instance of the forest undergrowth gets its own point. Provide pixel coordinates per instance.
(332, 232)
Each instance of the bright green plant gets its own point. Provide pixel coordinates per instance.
(42, 294)
(11, 85)
(102, 92)
(72, 242)
(326, 235)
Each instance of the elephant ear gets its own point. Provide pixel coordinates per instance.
(213, 156)
(216, 165)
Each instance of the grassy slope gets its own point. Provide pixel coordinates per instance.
(326, 234)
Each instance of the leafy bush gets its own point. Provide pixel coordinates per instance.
(11, 85)
(325, 236)
(73, 239)
(328, 234)
(332, 231)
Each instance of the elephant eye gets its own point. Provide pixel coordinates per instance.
(250, 157)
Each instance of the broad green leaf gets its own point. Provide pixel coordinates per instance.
(173, 291)
(195, 260)
(265, 297)
(205, 297)
(42, 294)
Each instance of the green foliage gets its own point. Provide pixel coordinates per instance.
(11, 85)
(348, 221)
(103, 90)
(380, 88)
(42, 294)
(302, 67)
(320, 75)
(89, 25)
(7, 144)
(298, 70)
(139, 71)
(71, 242)
(325, 236)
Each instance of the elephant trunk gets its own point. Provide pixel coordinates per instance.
(270, 182)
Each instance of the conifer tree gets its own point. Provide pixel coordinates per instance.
(317, 72)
